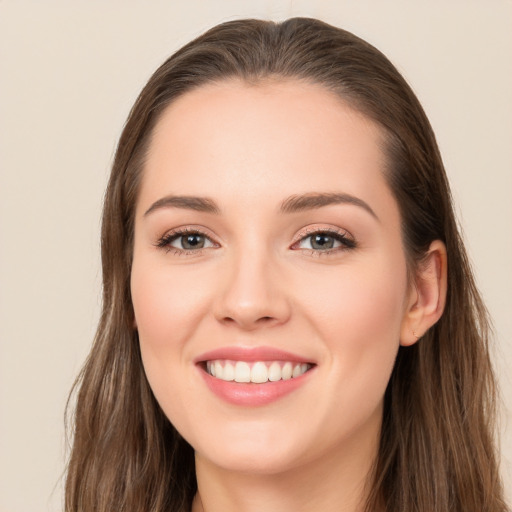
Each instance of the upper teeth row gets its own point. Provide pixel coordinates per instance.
(258, 372)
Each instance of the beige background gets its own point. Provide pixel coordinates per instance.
(69, 72)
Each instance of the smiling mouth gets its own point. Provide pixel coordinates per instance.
(256, 372)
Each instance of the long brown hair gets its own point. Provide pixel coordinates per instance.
(437, 449)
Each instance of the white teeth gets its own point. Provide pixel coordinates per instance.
(296, 370)
(286, 372)
(218, 370)
(229, 372)
(274, 372)
(242, 372)
(258, 372)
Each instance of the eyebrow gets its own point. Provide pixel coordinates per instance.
(292, 204)
(298, 203)
(198, 204)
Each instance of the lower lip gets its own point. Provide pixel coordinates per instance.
(253, 395)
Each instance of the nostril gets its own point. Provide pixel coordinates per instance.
(258, 321)
(261, 319)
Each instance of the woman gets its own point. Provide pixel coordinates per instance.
(289, 318)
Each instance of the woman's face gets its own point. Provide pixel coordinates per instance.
(268, 248)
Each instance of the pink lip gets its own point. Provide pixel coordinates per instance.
(251, 354)
(253, 395)
(249, 394)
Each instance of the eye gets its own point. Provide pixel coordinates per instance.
(325, 241)
(186, 241)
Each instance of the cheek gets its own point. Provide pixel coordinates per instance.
(353, 304)
(372, 323)
(167, 305)
(359, 317)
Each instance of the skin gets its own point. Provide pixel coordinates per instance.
(258, 282)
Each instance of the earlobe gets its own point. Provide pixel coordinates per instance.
(428, 296)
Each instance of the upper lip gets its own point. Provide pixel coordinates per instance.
(250, 354)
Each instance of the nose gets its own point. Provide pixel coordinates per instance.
(253, 294)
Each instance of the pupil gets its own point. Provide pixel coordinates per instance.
(322, 242)
(192, 241)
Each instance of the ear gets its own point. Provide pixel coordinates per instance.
(427, 295)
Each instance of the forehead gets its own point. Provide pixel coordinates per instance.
(277, 138)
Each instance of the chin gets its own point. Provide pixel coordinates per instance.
(248, 459)
(271, 447)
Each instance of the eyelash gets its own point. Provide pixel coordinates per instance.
(346, 241)
(165, 242)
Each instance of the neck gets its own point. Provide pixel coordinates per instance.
(334, 482)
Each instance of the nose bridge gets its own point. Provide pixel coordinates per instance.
(252, 292)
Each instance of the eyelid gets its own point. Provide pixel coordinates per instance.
(322, 228)
(163, 242)
(346, 237)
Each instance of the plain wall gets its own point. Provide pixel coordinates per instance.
(69, 72)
